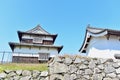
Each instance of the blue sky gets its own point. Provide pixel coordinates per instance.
(67, 18)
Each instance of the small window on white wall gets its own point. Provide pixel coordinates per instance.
(37, 40)
(43, 56)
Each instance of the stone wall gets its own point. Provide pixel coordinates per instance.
(70, 68)
(23, 75)
(83, 68)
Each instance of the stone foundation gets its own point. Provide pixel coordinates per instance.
(24, 75)
(83, 68)
(70, 68)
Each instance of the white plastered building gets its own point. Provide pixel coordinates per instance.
(101, 43)
(35, 45)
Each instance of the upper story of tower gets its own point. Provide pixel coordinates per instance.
(37, 35)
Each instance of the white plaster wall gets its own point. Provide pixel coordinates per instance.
(53, 52)
(32, 37)
(36, 50)
(27, 36)
(25, 55)
(48, 38)
(102, 48)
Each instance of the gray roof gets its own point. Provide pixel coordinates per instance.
(13, 44)
(100, 30)
(37, 30)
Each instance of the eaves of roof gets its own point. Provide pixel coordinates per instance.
(20, 33)
(13, 44)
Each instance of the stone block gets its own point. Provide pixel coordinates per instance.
(102, 61)
(3, 75)
(115, 65)
(18, 72)
(11, 74)
(56, 77)
(97, 70)
(83, 66)
(66, 77)
(25, 78)
(26, 73)
(68, 60)
(111, 75)
(109, 69)
(87, 77)
(58, 68)
(73, 77)
(118, 71)
(88, 71)
(44, 74)
(101, 66)
(107, 79)
(72, 69)
(97, 77)
(35, 73)
(92, 64)
(77, 60)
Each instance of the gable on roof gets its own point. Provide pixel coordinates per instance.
(37, 30)
(96, 32)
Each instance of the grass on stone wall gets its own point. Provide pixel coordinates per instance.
(23, 66)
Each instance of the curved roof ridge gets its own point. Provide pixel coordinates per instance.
(89, 27)
(96, 28)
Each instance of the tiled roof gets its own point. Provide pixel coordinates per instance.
(13, 44)
(38, 30)
(100, 30)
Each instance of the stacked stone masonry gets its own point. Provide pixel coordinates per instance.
(23, 75)
(83, 68)
(70, 68)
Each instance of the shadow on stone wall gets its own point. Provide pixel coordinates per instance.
(70, 68)
(83, 68)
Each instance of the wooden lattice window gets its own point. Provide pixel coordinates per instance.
(43, 56)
